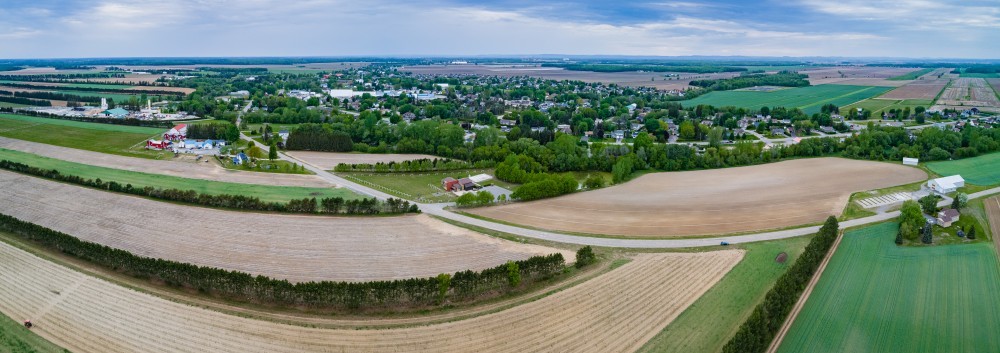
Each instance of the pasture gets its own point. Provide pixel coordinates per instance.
(710, 202)
(104, 138)
(875, 296)
(293, 247)
(615, 312)
(329, 160)
(268, 193)
(707, 324)
(808, 99)
(420, 187)
(980, 170)
(879, 105)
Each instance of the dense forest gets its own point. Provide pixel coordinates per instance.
(783, 79)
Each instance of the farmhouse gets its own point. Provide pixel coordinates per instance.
(946, 184)
(947, 216)
(240, 158)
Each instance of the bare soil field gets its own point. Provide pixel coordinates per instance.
(965, 93)
(917, 89)
(329, 160)
(632, 79)
(709, 202)
(615, 312)
(186, 169)
(857, 75)
(293, 247)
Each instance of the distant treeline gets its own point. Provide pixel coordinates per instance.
(126, 121)
(52, 96)
(247, 288)
(236, 70)
(701, 69)
(214, 131)
(25, 101)
(756, 334)
(59, 77)
(177, 95)
(319, 137)
(784, 79)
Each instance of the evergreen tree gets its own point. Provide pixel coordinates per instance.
(928, 234)
(899, 238)
(971, 234)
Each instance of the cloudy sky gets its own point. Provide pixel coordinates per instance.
(883, 28)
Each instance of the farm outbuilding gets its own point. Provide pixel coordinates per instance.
(946, 184)
(177, 133)
(448, 183)
(910, 161)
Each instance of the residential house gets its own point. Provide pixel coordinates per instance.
(947, 216)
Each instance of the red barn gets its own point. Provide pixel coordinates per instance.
(448, 183)
(178, 132)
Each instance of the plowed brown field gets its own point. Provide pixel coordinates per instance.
(718, 201)
(919, 89)
(207, 171)
(297, 248)
(615, 312)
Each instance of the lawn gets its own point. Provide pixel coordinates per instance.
(138, 179)
(809, 99)
(911, 76)
(421, 187)
(878, 105)
(105, 138)
(980, 170)
(708, 324)
(875, 296)
(14, 338)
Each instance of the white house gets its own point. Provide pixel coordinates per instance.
(910, 161)
(946, 184)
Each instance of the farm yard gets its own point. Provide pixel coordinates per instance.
(105, 138)
(184, 167)
(329, 160)
(965, 93)
(981, 170)
(615, 312)
(709, 202)
(293, 247)
(810, 99)
(266, 192)
(875, 296)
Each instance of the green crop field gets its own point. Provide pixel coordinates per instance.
(14, 338)
(877, 105)
(877, 297)
(708, 324)
(809, 99)
(979, 170)
(912, 75)
(11, 105)
(138, 179)
(104, 138)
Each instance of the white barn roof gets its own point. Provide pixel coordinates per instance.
(950, 181)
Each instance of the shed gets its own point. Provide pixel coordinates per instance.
(910, 161)
(466, 184)
(946, 184)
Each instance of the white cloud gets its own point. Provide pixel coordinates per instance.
(915, 14)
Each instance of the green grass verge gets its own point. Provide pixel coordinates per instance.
(14, 338)
(809, 99)
(138, 179)
(105, 138)
(980, 170)
(912, 75)
(708, 324)
(875, 296)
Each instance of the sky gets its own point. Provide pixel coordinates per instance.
(210, 28)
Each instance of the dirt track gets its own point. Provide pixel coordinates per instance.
(328, 160)
(615, 312)
(207, 171)
(297, 248)
(715, 201)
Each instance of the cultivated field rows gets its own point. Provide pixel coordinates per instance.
(194, 170)
(715, 201)
(329, 160)
(918, 89)
(615, 312)
(857, 75)
(969, 92)
(293, 247)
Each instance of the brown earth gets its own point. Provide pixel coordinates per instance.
(185, 169)
(965, 93)
(632, 79)
(717, 201)
(329, 160)
(615, 312)
(917, 89)
(293, 247)
(857, 75)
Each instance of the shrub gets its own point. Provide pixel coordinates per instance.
(585, 256)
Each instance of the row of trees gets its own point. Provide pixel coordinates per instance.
(215, 131)
(784, 78)
(53, 96)
(417, 165)
(473, 199)
(175, 95)
(26, 101)
(335, 205)
(319, 137)
(243, 287)
(757, 332)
